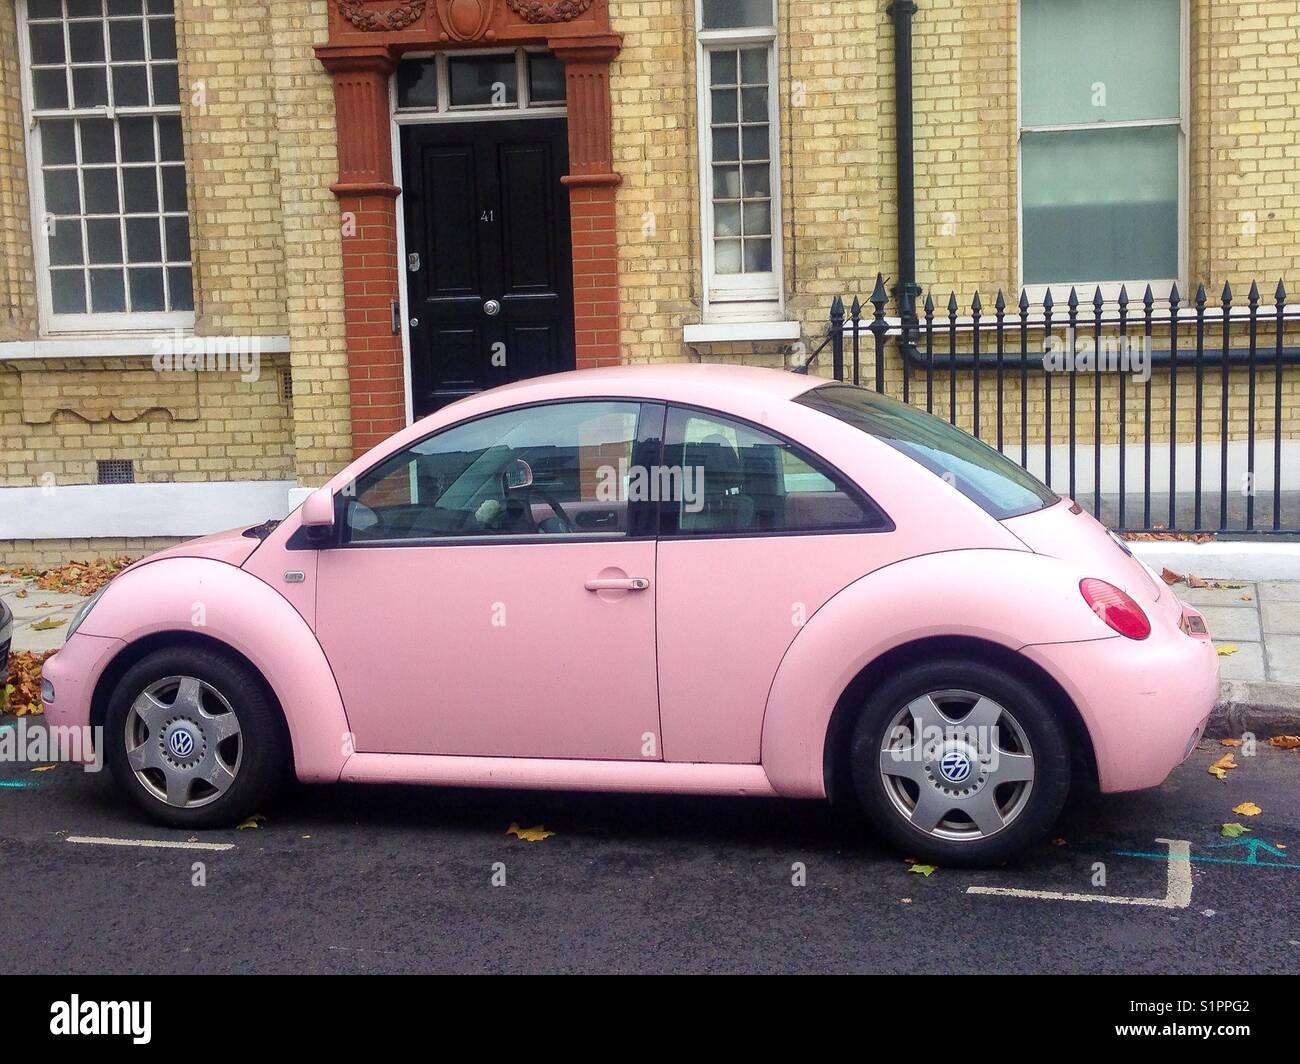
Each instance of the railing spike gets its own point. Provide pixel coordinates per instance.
(1280, 294)
(1253, 295)
(1148, 300)
(1123, 295)
(1024, 301)
(1000, 304)
(855, 311)
(1097, 301)
(976, 306)
(1073, 301)
(929, 305)
(952, 304)
(1174, 297)
(879, 297)
(1200, 295)
(1227, 293)
(1048, 302)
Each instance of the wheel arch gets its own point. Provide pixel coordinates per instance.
(835, 765)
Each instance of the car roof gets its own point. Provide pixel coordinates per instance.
(697, 382)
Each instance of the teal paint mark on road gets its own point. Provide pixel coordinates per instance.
(18, 785)
(1275, 857)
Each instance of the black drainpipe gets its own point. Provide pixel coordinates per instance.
(906, 290)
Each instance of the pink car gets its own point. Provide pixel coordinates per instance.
(675, 578)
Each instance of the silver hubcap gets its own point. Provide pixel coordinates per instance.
(957, 765)
(183, 741)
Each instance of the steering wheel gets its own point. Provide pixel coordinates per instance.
(556, 508)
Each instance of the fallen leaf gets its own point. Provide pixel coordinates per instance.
(47, 623)
(905, 901)
(1285, 742)
(1247, 809)
(1232, 831)
(44, 768)
(1220, 768)
(1171, 577)
(1059, 842)
(1246, 598)
(20, 593)
(1224, 651)
(254, 821)
(536, 834)
(23, 685)
(1229, 742)
(923, 869)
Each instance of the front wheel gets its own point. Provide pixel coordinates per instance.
(960, 763)
(194, 738)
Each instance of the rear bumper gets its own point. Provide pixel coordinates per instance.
(1145, 703)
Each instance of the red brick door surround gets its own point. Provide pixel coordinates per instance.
(367, 38)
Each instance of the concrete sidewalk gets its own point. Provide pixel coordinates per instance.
(31, 606)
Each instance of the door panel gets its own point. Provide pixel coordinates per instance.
(488, 218)
(492, 650)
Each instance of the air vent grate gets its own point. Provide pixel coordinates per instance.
(115, 471)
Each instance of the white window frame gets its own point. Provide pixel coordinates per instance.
(1160, 286)
(90, 323)
(738, 297)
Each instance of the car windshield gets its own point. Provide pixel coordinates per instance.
(985, 476)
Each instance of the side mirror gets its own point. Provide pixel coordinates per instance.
(318, 510)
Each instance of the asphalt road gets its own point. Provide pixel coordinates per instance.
(388, 879)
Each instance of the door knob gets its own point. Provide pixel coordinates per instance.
(491, 308)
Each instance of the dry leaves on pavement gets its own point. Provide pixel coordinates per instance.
(1247, 809)
(20, 693)
(1221, 767)
(536, 834)
(1285, 742)
(75, 577)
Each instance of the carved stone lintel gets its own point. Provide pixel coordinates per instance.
(400, 17)
(549, 10)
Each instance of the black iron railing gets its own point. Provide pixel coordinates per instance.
(1159, 414)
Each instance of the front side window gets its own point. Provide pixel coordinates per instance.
(737, 41)
(103, 99)
(732, 478)
(985, 476)
(557, 470)
(1102, 141)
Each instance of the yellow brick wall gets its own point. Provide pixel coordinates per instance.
(837, 150)
(258, 119)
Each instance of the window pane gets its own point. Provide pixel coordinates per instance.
(1100, 205)
(143, 241)
(130, 86)
(126, 39)
(758, 219)
(65, 242)
(104, 240)
(726, 256)
(86, 42)
(58, 143)
(740, 131)
(140, 189)
(758, 256)
(50, 88)
(62, 195)
(728, 14)
(102, 197)
(726, 219)
(166, 84)
(68, 291)
(137, 140)
(107, 292)
(545, 78)
(44, 9)
(84, 8)
(722, 68)
(985, 476)
(725, 108)
(726, 144)
(98, 141)
(483, 80)
(162, 38)
(146, 289)
(89, 86)
(726, 182)
(1099, 60)
(180, 284)
(738, 479)
(417, 83)
(169, 136)
(173, 183)
(178, 239)
(47, 42)
(467, 480)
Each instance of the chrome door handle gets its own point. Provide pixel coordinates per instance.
(629, 583)
(491, 308)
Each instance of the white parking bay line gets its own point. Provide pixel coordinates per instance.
(158, 844)
(1178, 893)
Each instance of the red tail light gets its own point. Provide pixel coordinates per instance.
(1115, 608)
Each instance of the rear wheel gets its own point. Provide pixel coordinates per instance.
(960, 763)
(194, 738)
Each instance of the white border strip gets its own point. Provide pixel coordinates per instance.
(91, 511)
(145, 344)
(158, 844)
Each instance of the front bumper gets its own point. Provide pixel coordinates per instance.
(1145, 703)
(72, 674)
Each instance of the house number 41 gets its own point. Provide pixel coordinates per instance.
(488, 216)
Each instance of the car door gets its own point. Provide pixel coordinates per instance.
(493, 591)
(760, 535)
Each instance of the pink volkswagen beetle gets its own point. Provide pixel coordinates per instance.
(678, 578)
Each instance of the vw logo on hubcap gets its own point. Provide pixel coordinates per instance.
(181, 742)
(955, 766)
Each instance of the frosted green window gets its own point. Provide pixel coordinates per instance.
(1101, 140)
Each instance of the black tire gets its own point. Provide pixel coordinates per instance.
(265, 747)
(1033, 713)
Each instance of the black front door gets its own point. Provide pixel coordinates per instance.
(488, 259)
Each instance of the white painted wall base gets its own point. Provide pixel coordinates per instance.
(92, 511)
(1227, 561)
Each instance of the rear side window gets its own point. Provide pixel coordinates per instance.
(729, 478)
(986, 477)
